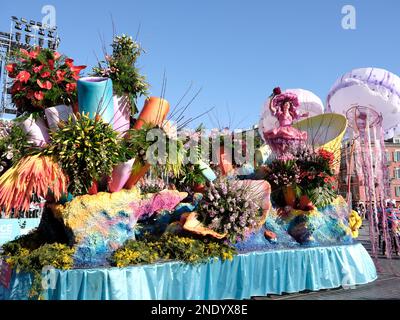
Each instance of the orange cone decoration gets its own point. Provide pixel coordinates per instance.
(154, 111)
(136, 176)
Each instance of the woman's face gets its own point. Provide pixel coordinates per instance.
(286, 106)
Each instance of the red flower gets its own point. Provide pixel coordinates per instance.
(71, 87)
(45, 74)
(37, 69)
(24, 52)
(39, 95)
(69, 62)
(333, 188)
(51, 64)
(16, 87)
(77, 69)
(30, 94)
(277, 91)
(46, 85)
(57, 55)
(60, 75)
(310, 177)
(34, 53)
(11, 67)
(23, 76)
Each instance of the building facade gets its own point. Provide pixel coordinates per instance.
(350, 182)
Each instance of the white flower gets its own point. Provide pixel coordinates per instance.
(9, 155)
(170, 129)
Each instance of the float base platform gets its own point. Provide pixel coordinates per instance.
(256, 273)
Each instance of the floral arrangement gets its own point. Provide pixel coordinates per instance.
(230, 208)
(87, 149)
(308, 173)
(42, 78)
(32, 261)
(318, 181)
(170, 247)
(36, 174)
(120, 68)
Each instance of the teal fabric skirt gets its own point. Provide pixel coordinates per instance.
(256, 273)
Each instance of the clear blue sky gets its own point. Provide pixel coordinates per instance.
(237, 51)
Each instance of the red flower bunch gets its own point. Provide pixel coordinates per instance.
(41, 79)
(277, 91)
(327, 156)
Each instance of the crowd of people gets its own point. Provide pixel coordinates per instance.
(392, 223)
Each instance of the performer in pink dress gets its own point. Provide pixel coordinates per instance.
(285, 138)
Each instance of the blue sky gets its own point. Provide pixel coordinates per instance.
(235, 50)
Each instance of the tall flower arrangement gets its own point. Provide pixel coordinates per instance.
(121, 68)
(42, 78)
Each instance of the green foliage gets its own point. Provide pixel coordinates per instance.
(87, 150)
(170, 247)
(321, 196)
(120, 68)
(191, 176)
(25, 260)
(143, 144)
(13, 146)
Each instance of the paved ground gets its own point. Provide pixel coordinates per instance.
(387, 286)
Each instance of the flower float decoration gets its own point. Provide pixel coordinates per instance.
(42, 79)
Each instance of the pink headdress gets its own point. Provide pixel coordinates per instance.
(280, 99)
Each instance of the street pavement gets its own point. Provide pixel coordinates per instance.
(386, 287)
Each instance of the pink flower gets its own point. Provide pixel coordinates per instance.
(23, 76)
(39, 95)
(57, 55)
(24, 52)
(46, 85)
(34, 53)
(70, 87)
(45, 74)
(60, 75)
(37, 69)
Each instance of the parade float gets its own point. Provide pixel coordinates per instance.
(124, 220)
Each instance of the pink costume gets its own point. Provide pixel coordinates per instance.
(285, 138)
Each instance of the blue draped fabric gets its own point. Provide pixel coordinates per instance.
(256, 273)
